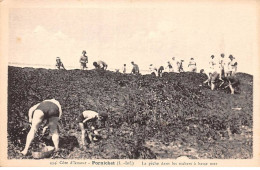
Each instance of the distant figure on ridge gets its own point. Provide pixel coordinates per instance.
(153, 70)
(169, 65)
(192, 65)
(222, 66)
(212, 73)
(135, 69)
(100, 65)
(124, 69)
(160, 71)
(180, 66)
(83, 60)
(232, 66)
(59, 64)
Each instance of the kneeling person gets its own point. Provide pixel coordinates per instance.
(49, 110)
(89, 116)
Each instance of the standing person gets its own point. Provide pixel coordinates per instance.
(221, 66)
(83, 60)
(192, 65)
(153, 70)
(180, 66)
(174, 65)
(135, 69)
(169, 65)
(232, 66)
(160, 71)
(89, 116)
(100, 65)
(124, 69)
(211, 70)
(59, 64)
(49, 110)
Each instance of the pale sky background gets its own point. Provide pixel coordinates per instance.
(145, 35)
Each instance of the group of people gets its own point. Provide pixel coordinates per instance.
(49, 112)
(83, 63)
(221, 70)
(173, 66)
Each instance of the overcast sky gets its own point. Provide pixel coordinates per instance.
(145, 34)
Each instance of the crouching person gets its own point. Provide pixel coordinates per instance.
(233, 83)
(87, 117)
(49, 110)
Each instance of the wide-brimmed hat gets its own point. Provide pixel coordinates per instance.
(230, 56)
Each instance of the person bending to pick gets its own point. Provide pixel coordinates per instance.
(100, 65)
(49, 110)
(89, 116)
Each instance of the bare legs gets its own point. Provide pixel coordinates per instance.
(36, 121)
(53, 124)
(83, 131)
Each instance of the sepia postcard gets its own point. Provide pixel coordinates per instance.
(129, 83)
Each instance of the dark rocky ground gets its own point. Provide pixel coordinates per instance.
(149, 117)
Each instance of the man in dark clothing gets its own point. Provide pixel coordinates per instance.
(59, 64)
(135, 69)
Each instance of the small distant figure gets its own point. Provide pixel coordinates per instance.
(100, 65)
(221, 66)
(49, 110)
(83, 60)
(160, 71)
(135, 69)
(169, 65)
(59, 64)
(124, 69)
(153, 70)
(233, 83)
(90, 116)
(180, 66)
(192, 65)
(232, 66)
(174, 64)
(212, 74)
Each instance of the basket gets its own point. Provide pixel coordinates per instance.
(44, 152)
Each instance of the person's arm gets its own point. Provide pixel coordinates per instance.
(87, 119)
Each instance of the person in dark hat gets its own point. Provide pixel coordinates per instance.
(59, 64)
(90, 116)
(83, 60)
